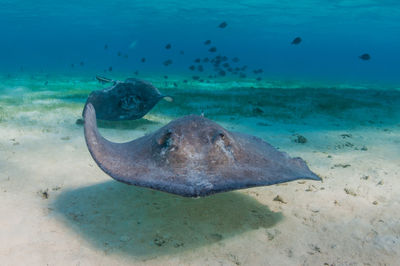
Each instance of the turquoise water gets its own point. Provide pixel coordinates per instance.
(48, 36)
(62, 209)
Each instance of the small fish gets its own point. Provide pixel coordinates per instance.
(103, 80)
(212, 49)
(207, 42)
(132, 45)
(258, 79)
(206, 59)
(165, 77)
(196, 77)
(105, 47)
(125, 56)
(192, 67)
(197, 60)
(167, 62)
(242, 75)
(181, 52)
(46, 83)
(223, 25)
(184, 81)
(168, 46)
(143, 60)
(200, 68)
(110, 68)
(119, 53)
(235, 59)
(175, 84)
(222, 73)
(72, 65)
(365, 57)
(136, 72)
(296, 40)
(226, 65)
(82, 63)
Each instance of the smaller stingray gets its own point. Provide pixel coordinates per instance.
(128, 100)
(193, 156)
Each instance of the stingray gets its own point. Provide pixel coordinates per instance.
(128, 100)
(193, 156)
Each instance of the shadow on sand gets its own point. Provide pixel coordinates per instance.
(144, 223)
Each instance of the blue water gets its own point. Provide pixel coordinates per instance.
(48, 36)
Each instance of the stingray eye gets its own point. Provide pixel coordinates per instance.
(166, 139)
(219, 136)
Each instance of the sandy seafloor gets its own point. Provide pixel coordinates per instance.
(351, 218)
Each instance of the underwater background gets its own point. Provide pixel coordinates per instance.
(49, 36)
(317, 79)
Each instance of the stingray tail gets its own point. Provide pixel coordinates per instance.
(102, 150)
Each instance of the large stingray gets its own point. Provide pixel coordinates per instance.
(128, 100)
(193, 156)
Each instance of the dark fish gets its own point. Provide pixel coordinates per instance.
(175, 84)
(168, 46)
(235, 59)
(143, 59)
(46, 82)
(296, 40)
(192, 67)
(105, 47)
(127, 100)
(200, 68)
(181, 52)
(222, 73)
(110, 68)
(136, 72)
(365, 57)
(119, 53)
(82, 63)
(125, 56)
(196, 77)
(225, 65)
(212, 49)
(206, 59)
(242, 75)
(207, 42)
(223, 25)
(258, 79)
(72, 65)
(185, 81)
(197, 60)
(167, 62)
(193, 156)
(165, 77)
